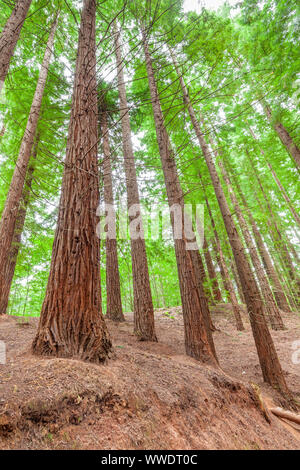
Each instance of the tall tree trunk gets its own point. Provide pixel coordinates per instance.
(276, 233)
(200, 278)
(212, 273)
(10, 35)
(223, 268)
(279, 128)
(267, 261)
(114, 309)
(16, 241)
(280, 186)
(278, 253)
(203, 278)
(198, 340)
(143, 307)
(284, 136)
(270, 305)
(270, 365)
(10, 211)
(71, 322)
(237, 281)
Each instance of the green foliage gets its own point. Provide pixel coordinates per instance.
(230, 65)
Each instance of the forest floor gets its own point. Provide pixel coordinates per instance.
(147, 395)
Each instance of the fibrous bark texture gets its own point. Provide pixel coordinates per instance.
(71, 322)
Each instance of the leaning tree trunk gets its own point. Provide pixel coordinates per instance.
(237, 281)
(71, 322)
(278, 182)
(276, 233)
(270, 304)
(203, 278)
(143, 306)
(10, 35)
(284, 136)
(270, 365)
(279, 255)
(223, 268)
(16, 241)
(114, 309)
(200, 277)
(212, 273)
(10, 211)
(198, 340)
(268, 265)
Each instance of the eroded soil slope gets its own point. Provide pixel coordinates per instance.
(147, 396)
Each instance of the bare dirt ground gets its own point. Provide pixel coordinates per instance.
(147, 395)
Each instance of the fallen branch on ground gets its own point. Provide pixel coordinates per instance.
(286, 414)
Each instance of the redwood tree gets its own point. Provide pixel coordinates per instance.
(114, 309)
(270, 365)
(71, 322)
(283, 134)
(16, 241)
(10, 36)
(143, 306)
(10, 211)
(198, 339)
(267, 295)
(211, 272)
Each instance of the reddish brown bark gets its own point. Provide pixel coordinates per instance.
(278, 236)
(143, 306)
(237, 281)
(10, 211)
(203, 295)
(278, 182)
(228, 286)
(279, 261)
(266, 258)
(204, 280)
(10, 35)
(270, 365)
(114, 309)
(71, 322)
(16, 241)
(212, 273)
(198, 340)
(284, 136)
(270, 305)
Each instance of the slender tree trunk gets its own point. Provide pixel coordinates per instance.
(270, 365)
(198, 339)
(270, 305)
(284, 194)
(143, 306)
(284, 136)
(224, 271)
(16, 241)
(71, 322)
(200, 278)
(218, 256)
(114, 309)
(278, 254)
(281, 131)
(10, 35)
(10, 211)
(280, 186)
(267, 261)
(203, 278)
(212, 273)
(237, 282)
(276, 234)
